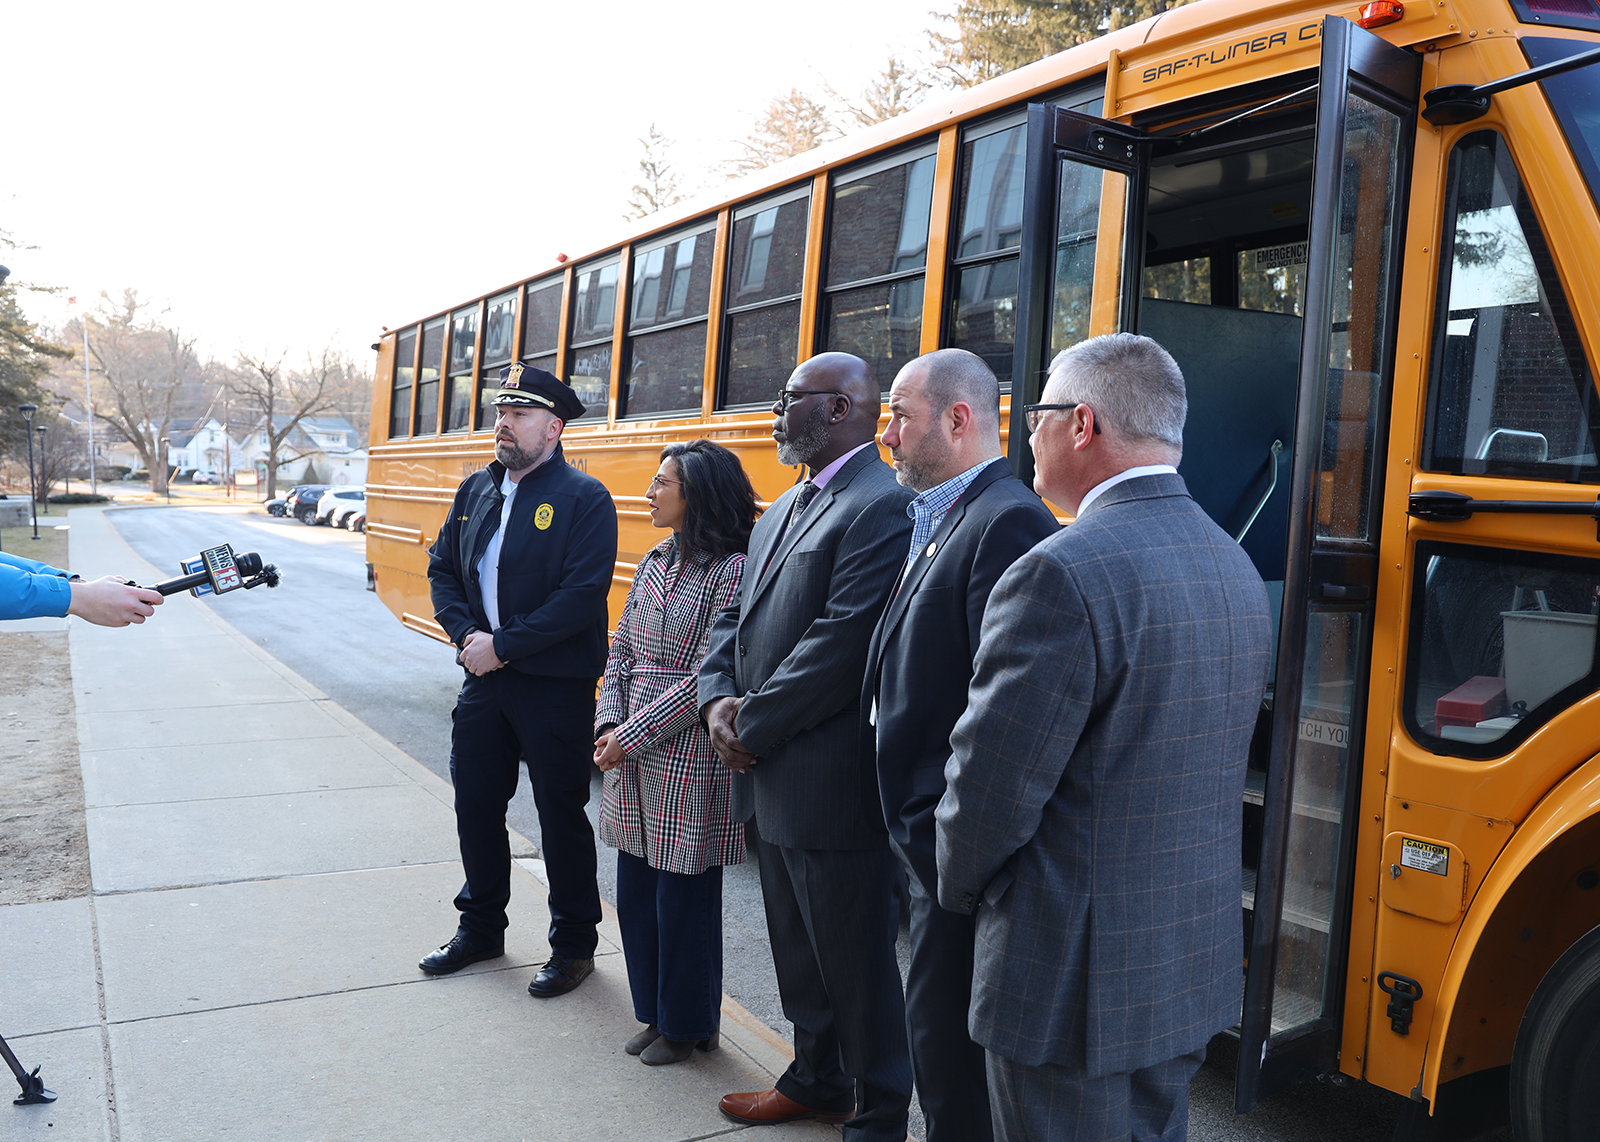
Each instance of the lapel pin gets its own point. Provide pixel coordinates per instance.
(932, 547)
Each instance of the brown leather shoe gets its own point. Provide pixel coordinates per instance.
(767, 1107)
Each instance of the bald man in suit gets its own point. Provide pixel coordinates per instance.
(971, 519)
(780, 690)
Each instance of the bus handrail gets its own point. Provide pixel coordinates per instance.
(1275, 451)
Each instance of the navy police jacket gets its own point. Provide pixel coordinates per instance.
(556, 564)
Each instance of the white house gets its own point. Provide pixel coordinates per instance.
(203, 445)
(319, 450)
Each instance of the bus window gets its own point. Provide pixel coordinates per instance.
(878, 234)
(1188, 279)
(463, 345)
(594, 316)
(499, 323)
(1501, 642)
(1077, 239)
(983, 300)
(428, 378)
(1511, 394)
(766, 263)
(1575, 98)
(667, 325)
(1272, 279)
(405, 368)
(541, 325)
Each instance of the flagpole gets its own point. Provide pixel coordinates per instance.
(88, 400)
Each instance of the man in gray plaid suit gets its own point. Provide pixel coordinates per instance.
(1092, 814)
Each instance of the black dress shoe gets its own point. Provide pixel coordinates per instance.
(559, 976)
(457, 954)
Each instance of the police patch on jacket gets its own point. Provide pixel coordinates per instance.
(542, 517)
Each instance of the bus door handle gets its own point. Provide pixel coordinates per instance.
(1453, 507)
(1403, 993)
(1344, 591)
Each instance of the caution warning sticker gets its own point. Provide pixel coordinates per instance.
(1424, 857)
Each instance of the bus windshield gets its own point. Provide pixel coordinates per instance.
(1575, 98)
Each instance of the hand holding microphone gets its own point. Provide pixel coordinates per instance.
(112, 601)
(219, 571)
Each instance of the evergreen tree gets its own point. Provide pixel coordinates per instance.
(657, 187)
(992, 37)
(26, 353)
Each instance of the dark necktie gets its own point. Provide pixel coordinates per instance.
(808, 492)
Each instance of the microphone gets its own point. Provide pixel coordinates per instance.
(219, 571)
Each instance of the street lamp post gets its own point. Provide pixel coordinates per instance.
(44, 489)
(166, 465)
(27, 410)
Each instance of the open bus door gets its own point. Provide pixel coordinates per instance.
(1082, 221)
(1322, 419)
(1366, 122)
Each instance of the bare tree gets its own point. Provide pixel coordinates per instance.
(349, 394)
(791, 125)
(284, 398)
(658, 185)
(61, 454)
(893, 91)
(142, 366)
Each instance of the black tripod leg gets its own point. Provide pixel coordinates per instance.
(32, 1086)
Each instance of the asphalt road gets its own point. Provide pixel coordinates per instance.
(325, 625)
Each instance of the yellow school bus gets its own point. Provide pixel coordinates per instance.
(1366, 233)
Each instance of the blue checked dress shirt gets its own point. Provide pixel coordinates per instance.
(928, 510)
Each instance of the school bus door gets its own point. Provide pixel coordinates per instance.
(1366, 123)
(1081, 275)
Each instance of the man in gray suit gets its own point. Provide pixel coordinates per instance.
(780, 690)
(1092, 813)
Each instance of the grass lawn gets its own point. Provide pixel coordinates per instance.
(51, 546)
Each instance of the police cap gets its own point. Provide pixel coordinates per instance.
(524, 385)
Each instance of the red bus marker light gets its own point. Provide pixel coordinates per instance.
(1381, 12)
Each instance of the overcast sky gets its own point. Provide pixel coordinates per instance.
(282, 176)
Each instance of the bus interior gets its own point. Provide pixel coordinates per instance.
(1226, 227)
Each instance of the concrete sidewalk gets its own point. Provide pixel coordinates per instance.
(266, 871)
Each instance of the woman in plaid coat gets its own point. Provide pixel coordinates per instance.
(665, 804)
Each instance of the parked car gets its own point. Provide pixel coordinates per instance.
(302, 502)
(335, 503)
(340, 516)
(278, 507)
(202, 477)
(357, 519)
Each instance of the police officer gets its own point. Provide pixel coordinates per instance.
(520, 574)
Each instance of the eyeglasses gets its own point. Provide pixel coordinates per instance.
(658, 483)
(1031, 413)
(787, 397)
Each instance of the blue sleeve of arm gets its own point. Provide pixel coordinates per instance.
(31, 590)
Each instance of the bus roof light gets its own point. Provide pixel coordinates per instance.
(1381, 12)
